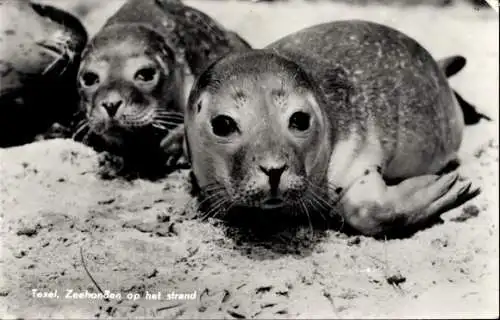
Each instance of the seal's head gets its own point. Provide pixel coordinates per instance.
(40, 48)
(256, 134)
(129, 81)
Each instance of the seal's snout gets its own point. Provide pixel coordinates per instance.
(111, 104)
(276, 183)
(272, 203)
(274, 174)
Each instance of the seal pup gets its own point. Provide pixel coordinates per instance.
(319, 120)
(135, 73)
(40, 47)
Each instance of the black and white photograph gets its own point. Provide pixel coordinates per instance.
(249, 159)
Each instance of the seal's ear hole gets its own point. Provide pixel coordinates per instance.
(300, 121)
(224, 126)
(198, 107)
(89, 79)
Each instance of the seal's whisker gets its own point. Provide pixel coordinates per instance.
(51, 65)
(333, 212)
(159, 126)
(170, 121)
(216, 211)
(310, 204)
(311, 229)
(168, 117)
(141, 115)
(168, 113)
(231, 204)
(86, 137)
(68, 54)
(320, 203)
(176, 120)
(68, 62)
(214, 193)
(82, 126)
(162, 109)
(166, 122)
(81, 122)
(320, 195)
(50, 48)
(294, 209)
(216, 205)
(318, 207)
(212, 186)
(135, 115)
(329, 190)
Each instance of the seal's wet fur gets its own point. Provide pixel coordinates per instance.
(388, 111)
(177, 41)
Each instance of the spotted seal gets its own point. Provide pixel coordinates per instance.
(40, 46)
(349, 117)
(135, 73)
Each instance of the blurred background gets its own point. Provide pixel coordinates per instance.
(240, 13)
(444, 27)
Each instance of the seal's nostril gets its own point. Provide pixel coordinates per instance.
(266, 171)
(273, 171)
(274, 174)
(111, 106)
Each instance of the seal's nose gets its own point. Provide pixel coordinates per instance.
(111, 105)
(274, 173)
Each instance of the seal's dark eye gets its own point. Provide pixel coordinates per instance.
(89, 79)
(145, 74)
(300, 121)
(223, 126)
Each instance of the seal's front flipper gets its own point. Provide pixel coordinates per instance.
(375, 209)
(172, 147)
(56, 131)
(110, 166)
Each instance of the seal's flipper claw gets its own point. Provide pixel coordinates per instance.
(458, 195)
(373, 208)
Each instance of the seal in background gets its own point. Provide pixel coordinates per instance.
(40, 49)
(134, 74)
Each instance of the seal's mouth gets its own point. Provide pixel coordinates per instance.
(272, 203)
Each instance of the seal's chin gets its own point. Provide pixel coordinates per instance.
(112, 134)
(129, 121)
